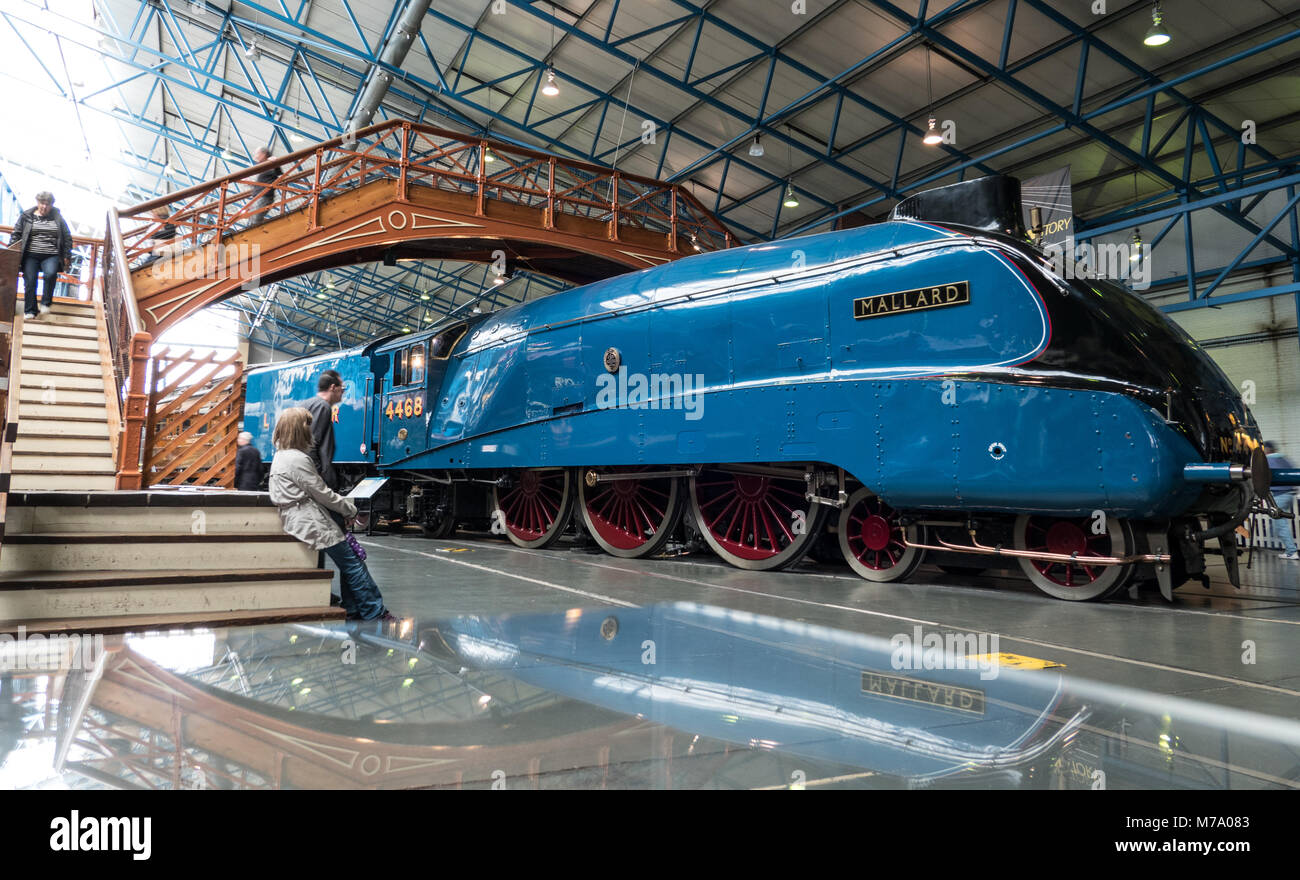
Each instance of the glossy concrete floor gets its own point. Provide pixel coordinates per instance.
(565, 668)
(1224, 647)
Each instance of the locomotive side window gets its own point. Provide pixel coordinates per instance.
(399, 368)
(408, 365)
(415, 364)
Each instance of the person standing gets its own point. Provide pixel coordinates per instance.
(1277, 461)
(264, 181)
(45, 246)
(329, 393)
(307, 510)
(248, 464)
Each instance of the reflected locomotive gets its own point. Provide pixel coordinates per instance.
(922, 385)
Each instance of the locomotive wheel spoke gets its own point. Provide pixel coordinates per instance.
(630, 517)
(537, 508)
(747, 519)
(871, 539)
(1077, 580)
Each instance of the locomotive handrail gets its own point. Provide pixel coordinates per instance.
(407, 154)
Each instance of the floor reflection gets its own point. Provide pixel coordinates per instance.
(679, 695)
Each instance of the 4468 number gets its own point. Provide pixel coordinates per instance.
(404, 407)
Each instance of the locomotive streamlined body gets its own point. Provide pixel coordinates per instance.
(912, 386)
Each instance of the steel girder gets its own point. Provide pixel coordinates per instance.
(10, 207)
(1182, 211)
(1074, 117)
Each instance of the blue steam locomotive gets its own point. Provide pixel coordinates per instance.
(923, 385)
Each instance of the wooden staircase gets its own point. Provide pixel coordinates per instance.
(63, 414)
(76, 554)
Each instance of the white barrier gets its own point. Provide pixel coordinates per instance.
(1264, 529)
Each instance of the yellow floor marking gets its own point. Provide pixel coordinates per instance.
(1013, 661)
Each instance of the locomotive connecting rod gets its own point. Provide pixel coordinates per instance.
(592, 478)
(983, 550)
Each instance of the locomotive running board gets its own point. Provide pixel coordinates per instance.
(982, 550)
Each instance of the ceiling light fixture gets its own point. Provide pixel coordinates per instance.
(791, 200)
(251, 51)
(756, 148)
(550, 90)
(932, 136)
(1136, 254)
(1158, 35)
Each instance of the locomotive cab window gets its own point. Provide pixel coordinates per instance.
(444, 342)
(408, 365)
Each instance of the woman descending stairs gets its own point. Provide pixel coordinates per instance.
(63, 419)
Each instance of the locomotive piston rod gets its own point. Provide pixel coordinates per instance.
(983, 550)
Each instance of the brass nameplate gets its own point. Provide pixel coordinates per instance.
(938, 296)
(942, 696)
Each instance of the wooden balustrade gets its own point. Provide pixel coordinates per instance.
(193, 417)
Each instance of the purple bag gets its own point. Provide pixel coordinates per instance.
(355, 545)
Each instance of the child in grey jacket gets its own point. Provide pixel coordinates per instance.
(303, 499)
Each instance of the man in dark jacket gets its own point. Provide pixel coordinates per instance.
(329, 392)
(248, 464)
(45, 244)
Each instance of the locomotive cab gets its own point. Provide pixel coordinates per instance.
(413, 377)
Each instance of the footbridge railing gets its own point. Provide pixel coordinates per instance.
(410, 154)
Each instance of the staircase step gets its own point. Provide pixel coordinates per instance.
(188, 498)
(122, 552)
(62, 412)
(39, 366)
(37, 444)
(45, 391)
(55, 330)
(28, 427)
(170, 520)
(85, 321)
(62, 381)
(60, 355)
(31, 597)
(47, 482)
(41, 463)
(60, 343)
(146, 622)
